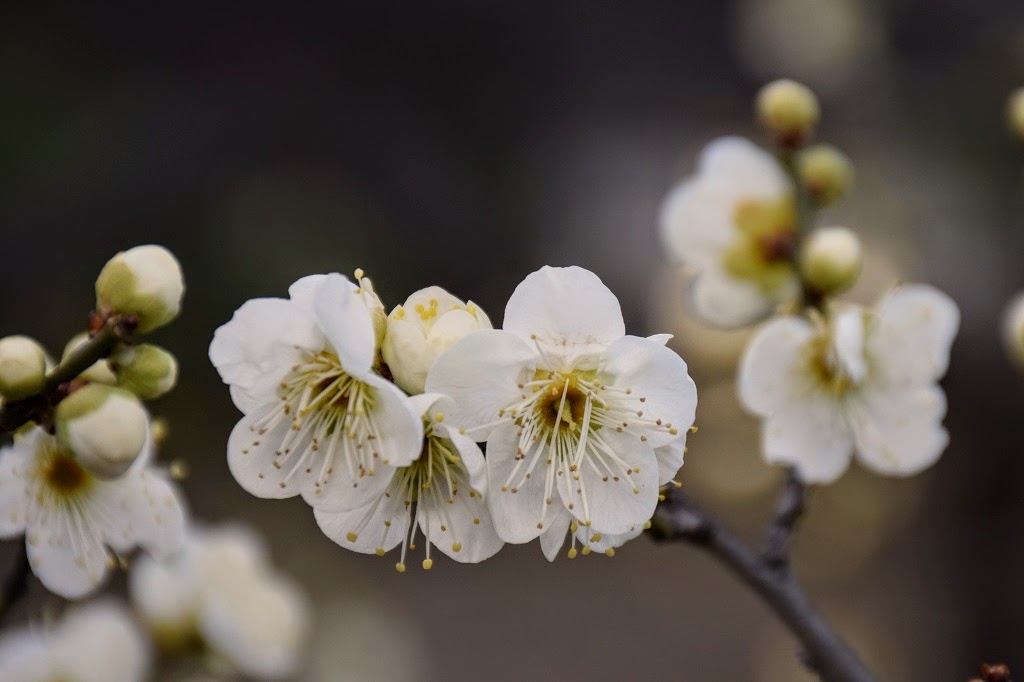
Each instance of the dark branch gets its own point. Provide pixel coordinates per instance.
(16, 584)
(788, 510)
(680, 518)
(36, 407)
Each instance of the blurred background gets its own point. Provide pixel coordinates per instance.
(465, 144)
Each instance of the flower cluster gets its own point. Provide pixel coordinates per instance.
(828, 378)
(582, 423)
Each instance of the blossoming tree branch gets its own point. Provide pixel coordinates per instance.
(425, 429)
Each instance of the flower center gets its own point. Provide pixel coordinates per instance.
(62, 473)
(762, 252)
(567, 413)
(330, 418)
(834, 369)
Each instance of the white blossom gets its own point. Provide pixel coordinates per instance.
(440, 495)
(96, 642)
(733, 224)
(222, 591)
(572, 409)
(1013, 329)
(318, 418)
(70, 517)
(420, 330)
(864, 381)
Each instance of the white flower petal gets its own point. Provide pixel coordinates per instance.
(472, 458)
(916, 325)
(380, 525)
(745, 166)
(662, 339)
(608, 496)
(347, 324)
(569, 310)
(25, 656)
(900, 432)
(607, 541)
(727, 302)
(400, 425)
(661, 387)
(100, 642)
(146, 510)
(66, 553)
(811, 436)
(518, 514)
(465, 522)
(481, 373)
(303, 290)
(259, 345)
(15, 461)
(769, 370)
(252, 455)
(670, 459)
(554, 537)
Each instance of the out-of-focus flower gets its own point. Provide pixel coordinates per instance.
(96, 642)
(865, 381)
(70, 517)
(145, 281)
(1013, 329)
(572, 409)
(419, 331)
(1015, 111)
(104, 427)
(22, 367)
(789, 110)
(318, 420)
(222, 593)
(440, 494)
(830, 260)
(734, 223)
(826, 172)
(146, 370)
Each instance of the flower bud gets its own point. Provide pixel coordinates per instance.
(374, 305)
(22, 367)
(1015, 112)
(831, 260)
(99, 372)
(826, 173)
(104, 426)
(146, 370)
(418, 332)
(144, 281)
(788, 109)
(1013, 329)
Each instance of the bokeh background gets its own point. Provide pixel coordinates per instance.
(466, 144)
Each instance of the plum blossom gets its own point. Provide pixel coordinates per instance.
(440, 494)
(97, 642)
(71, 517)
(222, 592)
(318, 419)
(734, 223)
(863, 381)
(574, 411)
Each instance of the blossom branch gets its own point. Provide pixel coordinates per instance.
(15, 414)
(680, 518)
(788, 509)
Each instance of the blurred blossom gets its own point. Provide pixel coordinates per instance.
(222, 593)
(98, 642)
(822, 42)
(1013, 329)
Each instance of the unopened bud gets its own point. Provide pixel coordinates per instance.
(144, 281)
(146, 370)
(104, 426)
(99, 372)
(22, 367)
(826, 173)
(1015, 112)
(789, 110)
(419, 331)
(831, 260)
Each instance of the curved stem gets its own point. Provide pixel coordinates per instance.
(679, 518)
(13, 415)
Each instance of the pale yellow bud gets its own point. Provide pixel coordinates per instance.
(788, 109)
(1015, 112)
(145, 281)
(104, 427)
(22, 367)
(146, 370)
(831, 259)
(826, 173)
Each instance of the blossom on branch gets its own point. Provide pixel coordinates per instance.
(572, 409)
(863, 381)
